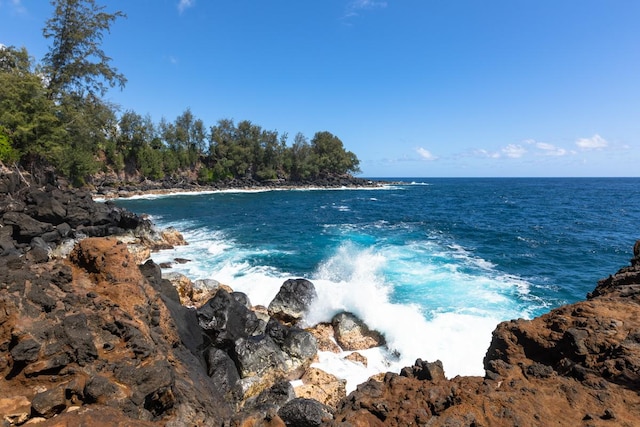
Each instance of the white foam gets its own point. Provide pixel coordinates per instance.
(456, 329)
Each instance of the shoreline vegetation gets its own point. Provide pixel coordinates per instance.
(114, 190)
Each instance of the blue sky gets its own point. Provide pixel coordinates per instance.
(413, 87)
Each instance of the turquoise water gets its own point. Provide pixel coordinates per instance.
(433, 263)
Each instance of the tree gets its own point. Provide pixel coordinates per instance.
(28, 116)
(75, 62)
(330, 156)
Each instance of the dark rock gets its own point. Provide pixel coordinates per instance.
(225, 320)
(39, 250)
(46, 207)
(25, 227)
(274, 397)
(242, 298)
(223, 372)
(49, 403)
(63, 229)
(79, 338)
(298, 345)
(256, 356)
(100, 389)
(538, 370)
(305, 413)
(26, 350)
(153, 273)
(38, 295)
(422, 370)
(293, 300)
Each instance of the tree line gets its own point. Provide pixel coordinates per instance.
(54, 113)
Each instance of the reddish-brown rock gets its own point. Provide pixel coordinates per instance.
(94, 332)
(578, 365)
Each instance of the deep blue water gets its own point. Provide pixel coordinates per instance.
(494, 248)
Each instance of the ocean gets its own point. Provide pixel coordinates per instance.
(434, 264)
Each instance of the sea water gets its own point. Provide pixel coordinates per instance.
(433, 264)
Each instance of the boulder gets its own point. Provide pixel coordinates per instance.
(351, 333)
(223, 372)
(422, 370)
(357, 358)
(226, 321)
(301, 412)
(46, 206)
(322, 387)
(293, 300)
(49, 403)
(258, 356)
(25, 227)
(299, 346)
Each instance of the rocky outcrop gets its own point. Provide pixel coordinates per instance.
(89, 337)
(93, 332)
(578, 365)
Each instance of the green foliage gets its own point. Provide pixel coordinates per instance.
(55, 113)
(76, 62)
(330, 156)
(7, 153)
(25, 111)
(77, 164)
(151, 163)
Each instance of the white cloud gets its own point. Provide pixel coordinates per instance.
(596, 142)
(185, 4)
(425, 154)
(484, 153)
(355, 6)
(547, 149)
(514, 151)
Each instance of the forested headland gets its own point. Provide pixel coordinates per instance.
(54, 115)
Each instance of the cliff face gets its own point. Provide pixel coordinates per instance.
(94, 339)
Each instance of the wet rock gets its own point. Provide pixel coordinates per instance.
(351, 333)
(357, 358)
(293, 300)
(322, 387)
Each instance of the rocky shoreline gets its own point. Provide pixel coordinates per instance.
(110, 189)
(91, 335)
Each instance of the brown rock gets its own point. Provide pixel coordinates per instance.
(172, 237)
(321, 386)
(352, 334)
(325, 336)
(357, 357)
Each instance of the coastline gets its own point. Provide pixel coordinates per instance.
(94, 337)
(173, 187)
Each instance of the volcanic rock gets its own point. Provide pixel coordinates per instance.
(293, 300)
(351, 333)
